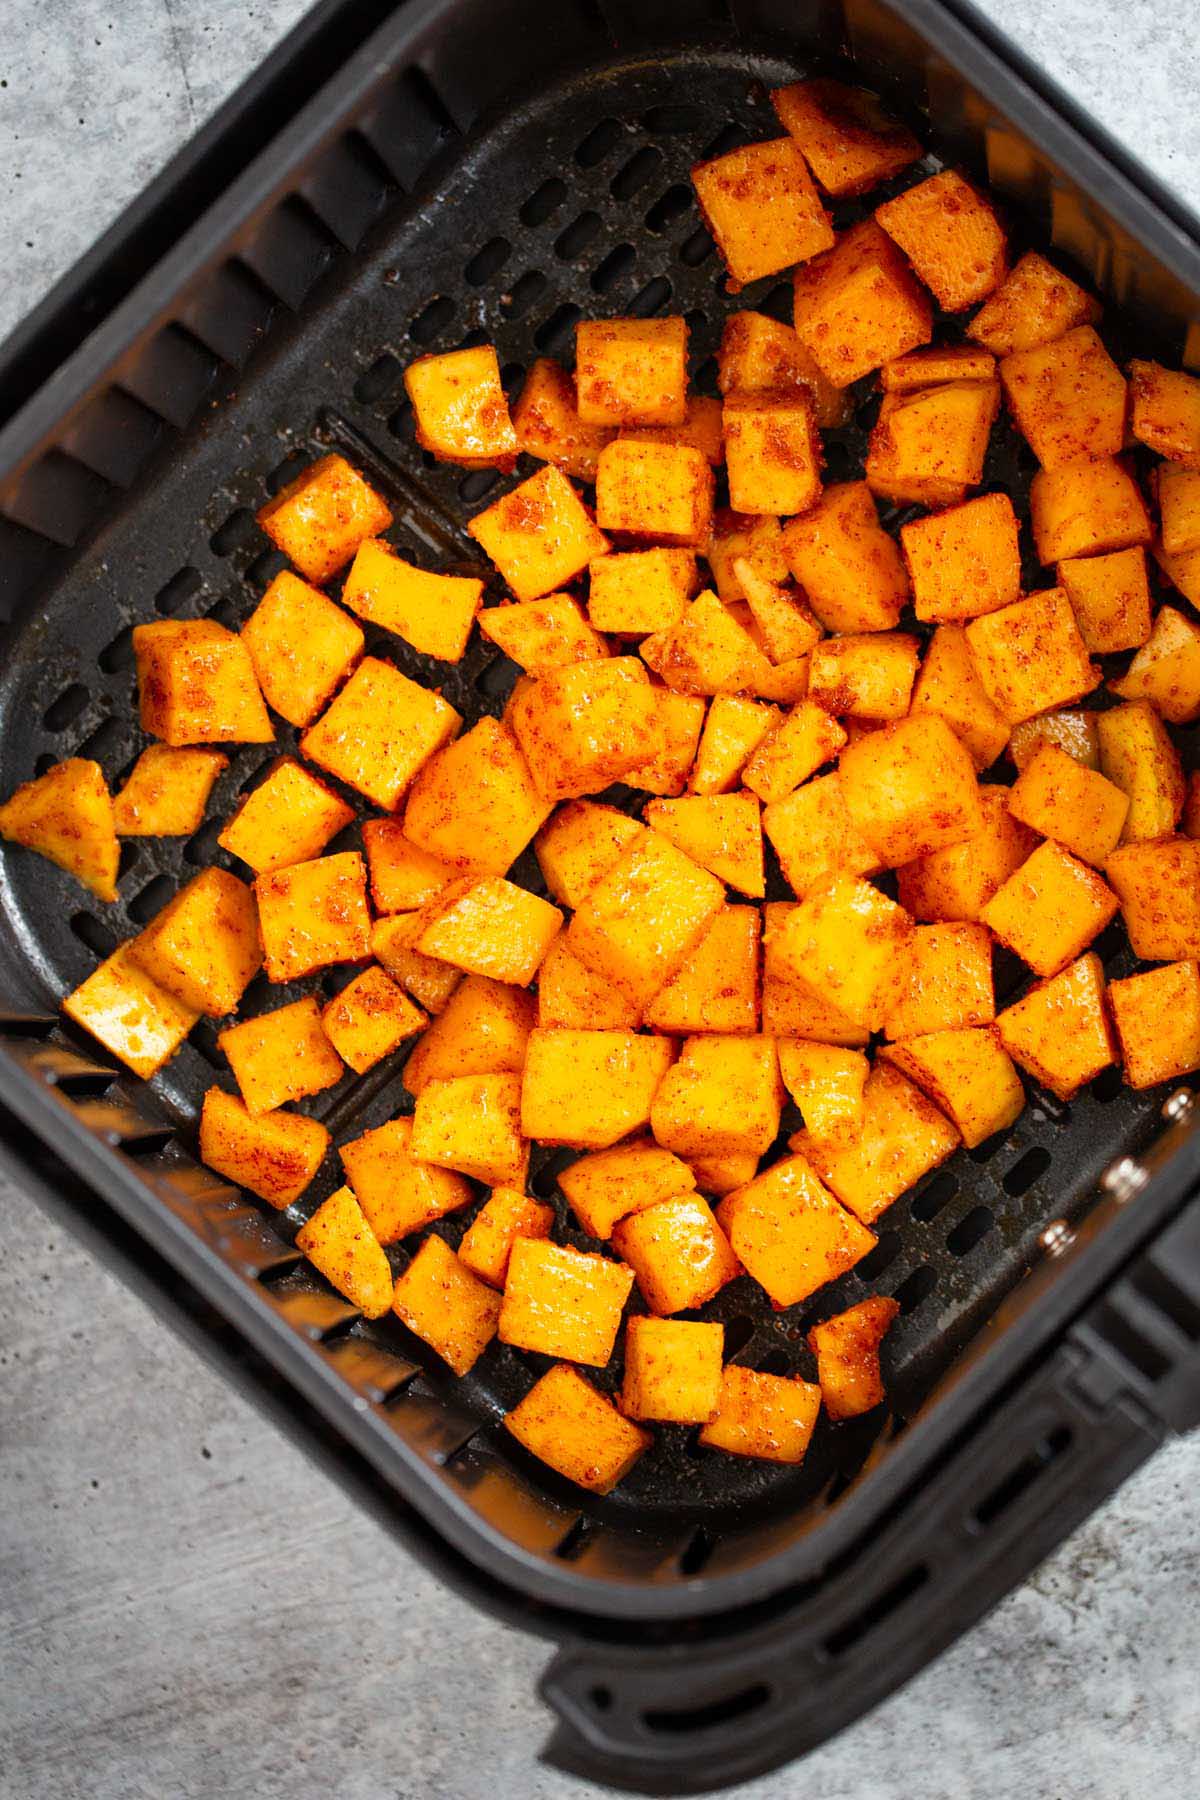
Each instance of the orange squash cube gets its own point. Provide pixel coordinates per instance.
(369, 1019)
(720, 832)
(430, 982)
(672, 1370)
(281, 1056)
(806, 738)
(379, 731)
(1110, 597)
(944, 982)
(722, 1098)
(910, 789)
(1058, 1032)
(903, 1137)
(505, 1216)
(66, 815)
(547, 423)
(1082, 810)
(473, 1124)
(1158, 885)
(760, 204)
(717, 987)
(274, 1155)
(474, 804)
(314, 914)
(1085, 508)
(585, 725)
(575, 997)
(958, 883)
(968, 1075)
(751, 537)
(340, 1244)
(948, 686)
(403, 876)
(842, 942)
(577, 1432)
(1069, 730)
(1165, 411)
(929, 447)
(1137, 755)
(930, 368)
(563, 1302)
(827, 1084)
(678, 1252)
(1030, 656)
(166, 792)
(859, 306)
(952, 237)
(204, 946)
(680, 721)
(847, 1351)
(398, 1194)
(733, 731)
(482, 1030)
(631, 371)
(772, 451)
(1178, 493)
(790, 1234)
(608, 1184)
(590, 1088)
(721, 1174)
(434, 613)
(446, 1305)
(759, 355)
(645, 916)
(1166, 670)
(197, 684)
(700, 430)
(1050, 909)
(302, 647)
(964, 562)
(844, 135)
(850, 569)
(1182, 572)
(1034, 304)
(1067, 397)
(288, 818)
(789, 1008)
(768, 1417)
(868, 674)
(814, 836)
(319, 519)
(578, 845)
(460, 410)
(707, 651)
(639, 591)
(488, 926)
(1157, 1016)
(781, 618)
(540, 536)
(137, 1021)
(543, 634)
(661, 492)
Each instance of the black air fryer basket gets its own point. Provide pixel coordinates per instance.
(401, 180)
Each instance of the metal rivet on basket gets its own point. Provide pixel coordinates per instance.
(1178, 1105)
(1057, 1237)
(1124, 1178)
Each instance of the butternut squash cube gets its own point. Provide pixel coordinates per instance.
(722, 1098)
(1050, 909)
(1137, 755)
(952, 237)
(379, 732)
(1067, 397)
(66, 815)
(1178, 493)
(930, 368)
(842, 942)
(274, 1155)
(434, 613)
(789, 1008)
(1030, 656)
(204, 945)
(585, 725)
(444, 1303)
(474, 805)
(1085, 508)
(1110, 597)
(139, 1022)
(1158, 885)
(197, 684)
(944, 982)
(869, 674)
(488, 926)
(760, 204)
(680, 721)
(341, 1245)
(661, 492)
(313, 914)
(772, 451)
(753, 538)
(1165, 411)
(759, 355)
(472, 1124)
(847, 1351)
(540, 536)
(1157, 1016)
(166, 792)
(860, 306)
(722, 1174)
(672, 1370)
(827, 1085)
(967, 1074)
(578, 845)
(948, 687)
(733, 731)
(547, 423)
(1034, 304)
(768, 1417)
(1059, 1030)
(397, 1193)
(459, 408)
(966, 561)
(288, 818)
(903, 1137)
(319, 519)
(644, 917)
(717, 987)
(403, 876)
(482, 1030)
(910, 789)
(786, 627)
(1069, 730)
(369, 1019)
(850, 569)
(789, 1232)
(639, 591)
(429, 981)
(543, 634)
(678, 1252)
(1182, 571)
(281, 1056)
(609, 1184)
(577, 1432)
(844, 135)
(505, 1216)
(1166, 670)
(1057, 797)
(958, 883)
(720, 832)
(929, 447)
(784, 682)
(814, 836)
(705, 652)
(302, 647)
(563, 1302)
(590, 1088)
(574, 996)
(700, 430)
(631, 371)
(806, 738)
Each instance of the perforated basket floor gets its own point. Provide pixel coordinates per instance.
(577, 204)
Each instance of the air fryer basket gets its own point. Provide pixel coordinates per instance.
(474, 173)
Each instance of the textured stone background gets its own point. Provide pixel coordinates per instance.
(190, 1611)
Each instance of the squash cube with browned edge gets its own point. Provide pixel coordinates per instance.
(1050, 909)
(842, 942)
(903, 1137)
(1177, 491)
(672, 1370)
(1080, 809)
(789, 1008)
(545, 634)
(379, 731)
(429, 981)
(197, 684)
(577, 1432)
(859, 305)
(540, 536)
(506, 1215)
(1071, 730)
(446, 1305)
(1138, 756)
(958, 883)
(749, 537)
(1058, 1032)
(768, 1417)
(274, 1155)
(1034, 304)
(1068, 398)
(319, 519)
(929, 446)
(733, 731)
(1157, 1016)
(814, 837)
(585, 725)
(166, 792)
(403, 876)
(590, 1088)
(563, 1302)
(472, 1124)
(638, 591)
(789, 1232)
(786, 627)
(644, 917)
(1030, 656)
(678, 1252)
(943, 982)
(1166, 670)
(578, 845)
(288, 818)
(660, 492)
(720, 832)
(850, 569)
(707, 651)
(772, 451)
(547, 423)
(281, 1056)
(936, 367)
(137, 1021)
(869, 675)
(826, 1081)
(482, 1030)
(460, 410)
(948, 686)
(609, 1184)
(434, 613)
(964, 562)
(847, 1351)
(911, 789)
(1165, 411)
(474, 805)
(967, 1074)
(759, 355)
(204, 945)
(722, 1098)
(313, 914)
(679, 724)
(1086, 508)
(369, 1019)
(1110, 597)
(302, 647)
(66, 815)
(1158, 885)
(398, 1193)
(488, 926)
(760, 204)
(952, 237)
(631, 371)
(844, 135)
(717, 987)
(339, 1243)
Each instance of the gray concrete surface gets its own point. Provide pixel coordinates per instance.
(190, 1611)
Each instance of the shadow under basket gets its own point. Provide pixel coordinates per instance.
(398, 181)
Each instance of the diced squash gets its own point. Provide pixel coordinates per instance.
(578, 845)
(403, 876)
(750, 537)
(772, 452)
(432, 612)
(166, 792)
(842, 942)
(678, 1252)
(1030, 656)
(274, 1155)
(398, 1194)
(659, 492)
(929, 447)
(379, 732)
(784, 682)
(1068, 397)
(966, 561)
(1110, 597)
(967, 1074)
(371, 1017)
(929, 368)
(944, 982)
(281, 1056)
(505, 1216)
(759, 355)
(717, 987)
(680, 722)
(700, 430)
(789, 1008)
(339, 1243)
(768, 1417)
(313, 914)
(66, 815)
(288, 818)
(1034, 304)
(910, 789)
(952, 237)
(1190, 822)
(722, 1098)
(609, 1184)
(860, 306)
(645, 916)
(734, 730)
(1158, 885)
(1157, 1016)
(721, 1174)
(576, 997)
(319, 519)
(446, 1305)
(196, 684)
(540, 536)
(563, 1302)
(1050, 909)
(1082, 810)
(585, 725)
(204, 945)
(473, 1124)
(474, 805)
(482, 1030)
(460, 410)
(868, 674)
(850, 569)
(948, 687)
(1058, 1032)
(429, 981)
(705, 652)
(845, 136)
(590, 1088)
(847, 1351)
(577, 1432)
(760, 204)
(1137, 755)
(903, 1137)
(784, 623)
(1182, 571)
(543, 634)
(631, 371)
(639, 591)
(1178, 493)
(814, 836)
(958, 883)
(488, 926)
(547, 423)
(1165, 411)
(1069, 730)
(672, 1370)
(1166, 670)
(807, 737)
(139, 1022)
(720, 832)
(1086, 508)
(827, 1084)
(302, 647)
